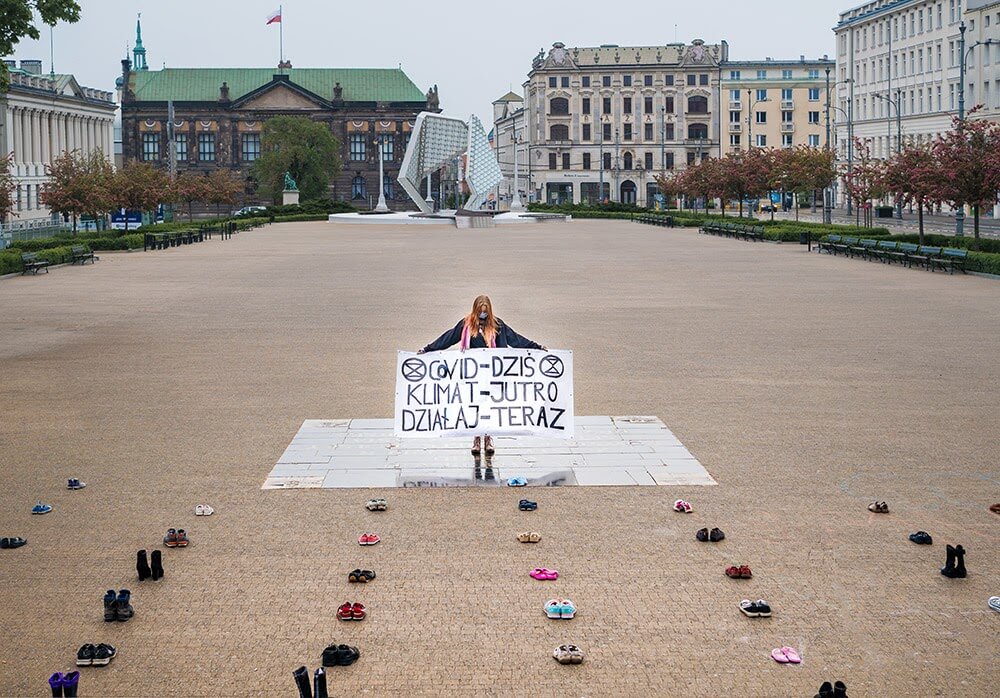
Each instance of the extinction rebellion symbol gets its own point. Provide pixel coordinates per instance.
(551, 366)
(414, 370)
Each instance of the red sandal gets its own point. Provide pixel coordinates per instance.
(745, 572)
(345, 612)
(358, 612)
(733, 572)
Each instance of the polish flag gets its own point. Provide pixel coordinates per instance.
(274, 16)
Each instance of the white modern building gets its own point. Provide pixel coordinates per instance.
(905, 55)
(509, 136)
(43, 116)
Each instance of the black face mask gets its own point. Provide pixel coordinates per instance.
(482, 317)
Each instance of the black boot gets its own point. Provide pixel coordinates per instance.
(157, 565)
(142, 566)
(302, 681)
(958, 569)
(949, 565)
(319, 684)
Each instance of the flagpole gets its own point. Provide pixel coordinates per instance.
(281, 36)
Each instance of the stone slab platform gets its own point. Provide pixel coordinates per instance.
(608, 451)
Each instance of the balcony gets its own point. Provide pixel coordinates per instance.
(787, 104)
(735, 128)
(735, 106)
(787, 128)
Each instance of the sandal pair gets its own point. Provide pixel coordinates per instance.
(350, 611)
(527, 505)
(15, 542)
(568, 654)
(878, 507)
(714, 536)
(544, 574)
(529, 537)
(376, 505)
(360, 576)
(741, 572)
(682, 507)
(786, 655)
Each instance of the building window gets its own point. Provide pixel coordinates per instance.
(564, 81)
(553, 160)
(647, 105)
(627, 81)
(786, 75)
(697, 131)
(585, 81)
(669, 132)
(606, 164)
(690, 159)
(735, 95)
(814, 117)
(586, 161)
(358, 146)
(559, 132)
(669, 104)
(786, 95)
(387, 186)
(181, 143)
(703, 79)
(670, 161)
(606, 80)
(627, 105)
(206, 147)
(250, 147)
(786, 117)
(627, 131)
(692, 80)
(606, 105)
(762, 75)
(649, 161)
(668, 80)
(388, 147)
(697, 105)
(559, 106)
(761, 117)
(813, 74)
(586, 132)
(585, 104)
(813, 94)
(358, 187)
(761, 95)
(150, 146)
(734, 75)
(606, 131)
(814, 140)
(647, 132)
(627, 161)
(734, 140)
(553, 81)
(647, 80)
(761, 140)
(565, 161)
(734, 117)
(786, 140)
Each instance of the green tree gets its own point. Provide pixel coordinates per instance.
(17, 21)
(301, 146)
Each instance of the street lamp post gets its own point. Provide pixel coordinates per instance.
(899, 132)
(827, 204)
(750, 117)
(381, 207)
(600, 167)
(515, 202)
(964, 54)
(616, 169)
(663, 138)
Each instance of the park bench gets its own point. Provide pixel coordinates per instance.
(79, 253)
(950, 259)
(845, 245)
(666, 221)
(903, 252)
(734, 230)
(828, 244)
(32, 263)
(883, 250)
(864, 249)
(924, 255)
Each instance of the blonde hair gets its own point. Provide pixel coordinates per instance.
(490, 326)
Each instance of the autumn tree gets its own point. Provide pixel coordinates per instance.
(17, 21)
(138, 186)
(224, 188)
(970, 166)
(7, 187)
(866, 180)
(913, 176)
(189, 187)
(305, 148)
(78, 184)
(670, 184)
(743, 175)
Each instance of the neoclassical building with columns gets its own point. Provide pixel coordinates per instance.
(41, 117)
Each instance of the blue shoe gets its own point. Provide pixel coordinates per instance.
(516, 482)
(41, 508)
(567, 610)
(527, 505)
(75, 484)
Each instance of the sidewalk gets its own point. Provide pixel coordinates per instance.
(943, 224)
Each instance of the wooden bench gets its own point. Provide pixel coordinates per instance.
(845, 245)
(829, 244)
(883, 250)
(903, 252)
(924, 255)
(33, 264)
(951, 258)
(79, 253)
(864, 249)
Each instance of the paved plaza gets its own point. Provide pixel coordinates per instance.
(806, 386)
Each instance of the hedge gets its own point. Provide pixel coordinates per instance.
(10, 262)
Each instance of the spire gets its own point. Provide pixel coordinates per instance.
(139, 53)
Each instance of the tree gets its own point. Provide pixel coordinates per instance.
(7, 187)
(970, 165)
(670, 184)
(189, 187)
(17, 21)
(224, 188)
(78, 184)
(138, 186)
(867, 179)
(301, 146)
(914, 177)
(745, 175)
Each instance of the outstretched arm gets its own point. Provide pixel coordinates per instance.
(516, 341)
(449, 338)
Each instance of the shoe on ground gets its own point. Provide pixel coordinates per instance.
(921, 538)
(358, 611)
(529, 537)
(368, 539)
(527, 505)
(13, 542)
(182, 538)
(344, 612)
(123, 606)
(75, 484)
(85, 655)
(553, 608)
(103, 654)
(682, 507)
(70, 683)
(878, 507)
(376, 505)
(567, 609)
(994, 603)
(995, 508)
(561, 654)
(110, 606)
(715, 535)
(56, 683)
(702, 535)
(170, 540)
(203, 510)
(755, 609)
(40, 508)
(839, 689)
(825, 690)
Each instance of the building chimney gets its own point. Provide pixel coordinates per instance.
(32, 67)
(224, 92)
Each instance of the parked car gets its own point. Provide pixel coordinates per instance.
(768, 207)
(250, 211)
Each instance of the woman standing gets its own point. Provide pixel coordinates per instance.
(481, 329)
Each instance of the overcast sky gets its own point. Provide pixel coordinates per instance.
(474, 52)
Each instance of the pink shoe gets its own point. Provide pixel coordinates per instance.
(779, 656)
(368, 539)
(791, 655)
(543, 574)
(682, 507)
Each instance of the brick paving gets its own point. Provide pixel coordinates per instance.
(806, 385)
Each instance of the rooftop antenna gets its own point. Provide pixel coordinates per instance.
(52, 52)
(675, 33)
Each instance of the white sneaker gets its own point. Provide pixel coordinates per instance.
(994, 603)
(203, 510)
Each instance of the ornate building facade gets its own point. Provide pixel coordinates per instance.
(602, 121)
(218, 115)
(41, 117)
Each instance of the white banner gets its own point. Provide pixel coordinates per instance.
(484, 391)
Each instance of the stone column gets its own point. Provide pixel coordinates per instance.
(60, 138)
(46, 136)
(36, 140)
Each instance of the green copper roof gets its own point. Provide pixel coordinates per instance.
(202, 84)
